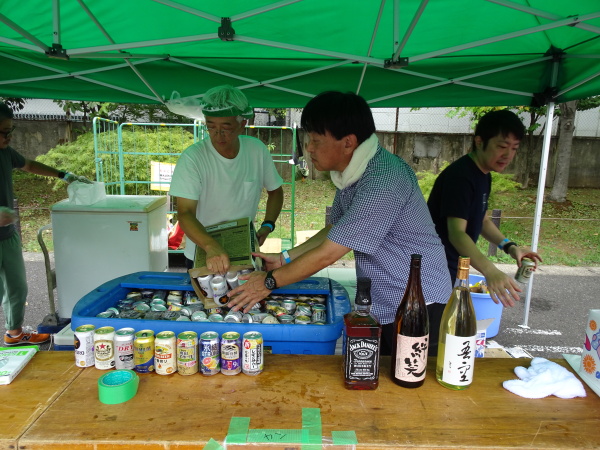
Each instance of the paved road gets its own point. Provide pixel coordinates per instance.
(561, 299)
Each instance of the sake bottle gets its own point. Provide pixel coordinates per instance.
(362, 341)
(411, 340)
(458, 329)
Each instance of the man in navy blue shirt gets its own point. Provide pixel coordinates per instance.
(378, 212)
(459, 201)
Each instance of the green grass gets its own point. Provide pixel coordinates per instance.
(569, 233)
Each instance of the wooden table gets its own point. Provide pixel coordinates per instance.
(32, 392)
(184, 412)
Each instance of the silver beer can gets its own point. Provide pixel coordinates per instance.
(84, 346)
(205, 287)
(233, 316)
(124, 348)
(232, 279)
(524, 272)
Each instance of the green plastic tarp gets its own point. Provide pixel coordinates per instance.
(395, 53)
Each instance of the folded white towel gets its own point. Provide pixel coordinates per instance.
(545, 378)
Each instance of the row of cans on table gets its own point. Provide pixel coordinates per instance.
(166, 353)
(275, 309)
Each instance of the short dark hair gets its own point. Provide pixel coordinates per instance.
(498, 122)
(339, 113)
(5, 112)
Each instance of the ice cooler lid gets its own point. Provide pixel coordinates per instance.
(116, 203)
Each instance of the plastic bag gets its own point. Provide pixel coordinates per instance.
(185, 106)
(86, 194)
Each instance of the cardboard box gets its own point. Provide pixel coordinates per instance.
(238, 238)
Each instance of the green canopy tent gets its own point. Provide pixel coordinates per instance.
(394, 53)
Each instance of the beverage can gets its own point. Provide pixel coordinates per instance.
(199, 316)
(165, 347)
(84, 346)
(205, 287)
(233, 316)
(289, 305)
(319, 313)
(252, 353)
(124, 348)
(524, 272)
(231, 355)
(210, 353)
(219, 287)
(104, 348)
(143, 351)
(232, 279)
(187, 353)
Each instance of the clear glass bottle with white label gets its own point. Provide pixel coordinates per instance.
(411, 340)
(458, 330)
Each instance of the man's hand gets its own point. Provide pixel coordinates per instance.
(272, 261)
(248, 294)
(7, 216)
(503, 289)
(518, 254)
(217, 260)
(70, 177)
(262, 234)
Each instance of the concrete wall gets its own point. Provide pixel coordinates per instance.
(423, 151)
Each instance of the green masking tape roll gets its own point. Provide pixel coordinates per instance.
(117, 386)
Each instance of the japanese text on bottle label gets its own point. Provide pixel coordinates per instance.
(411, 358)
(459, 360)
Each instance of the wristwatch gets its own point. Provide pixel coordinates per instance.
(270, 282)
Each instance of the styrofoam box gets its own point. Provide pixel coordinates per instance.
(278, 338)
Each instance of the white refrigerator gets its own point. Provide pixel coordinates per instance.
(96, 243)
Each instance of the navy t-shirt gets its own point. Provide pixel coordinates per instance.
(461, 190)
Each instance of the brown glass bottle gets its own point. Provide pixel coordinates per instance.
(411, 341)
(362, 341)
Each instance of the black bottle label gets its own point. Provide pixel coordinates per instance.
(362, 358)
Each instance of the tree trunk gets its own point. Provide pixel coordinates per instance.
(566, 127)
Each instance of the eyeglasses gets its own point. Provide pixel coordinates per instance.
(215, 131)
(7, 133)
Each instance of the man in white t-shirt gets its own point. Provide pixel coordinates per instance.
(221, 177)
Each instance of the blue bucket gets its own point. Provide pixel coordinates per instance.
(485, 308)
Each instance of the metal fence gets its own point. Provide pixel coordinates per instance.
(139, 158)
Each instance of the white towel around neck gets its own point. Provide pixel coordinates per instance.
(358, 163)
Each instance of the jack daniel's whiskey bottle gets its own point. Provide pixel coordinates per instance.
(362, 341)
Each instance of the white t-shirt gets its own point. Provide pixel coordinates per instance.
(225, 189)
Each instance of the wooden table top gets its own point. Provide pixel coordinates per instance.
(299, 392)
(30, 394)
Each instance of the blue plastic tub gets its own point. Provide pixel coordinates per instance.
(278, 338)
(485, 308)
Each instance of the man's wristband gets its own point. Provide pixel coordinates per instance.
(268, 223)
(61, 174)
(503, 243)
(508, 245)
(286, 256)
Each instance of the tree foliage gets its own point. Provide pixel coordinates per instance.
(141, 146)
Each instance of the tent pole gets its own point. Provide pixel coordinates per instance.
(539, 204)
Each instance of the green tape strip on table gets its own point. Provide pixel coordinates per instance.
(311, 424)
(212, 445)
(283, 436)
(238, 430)
(344, 438)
